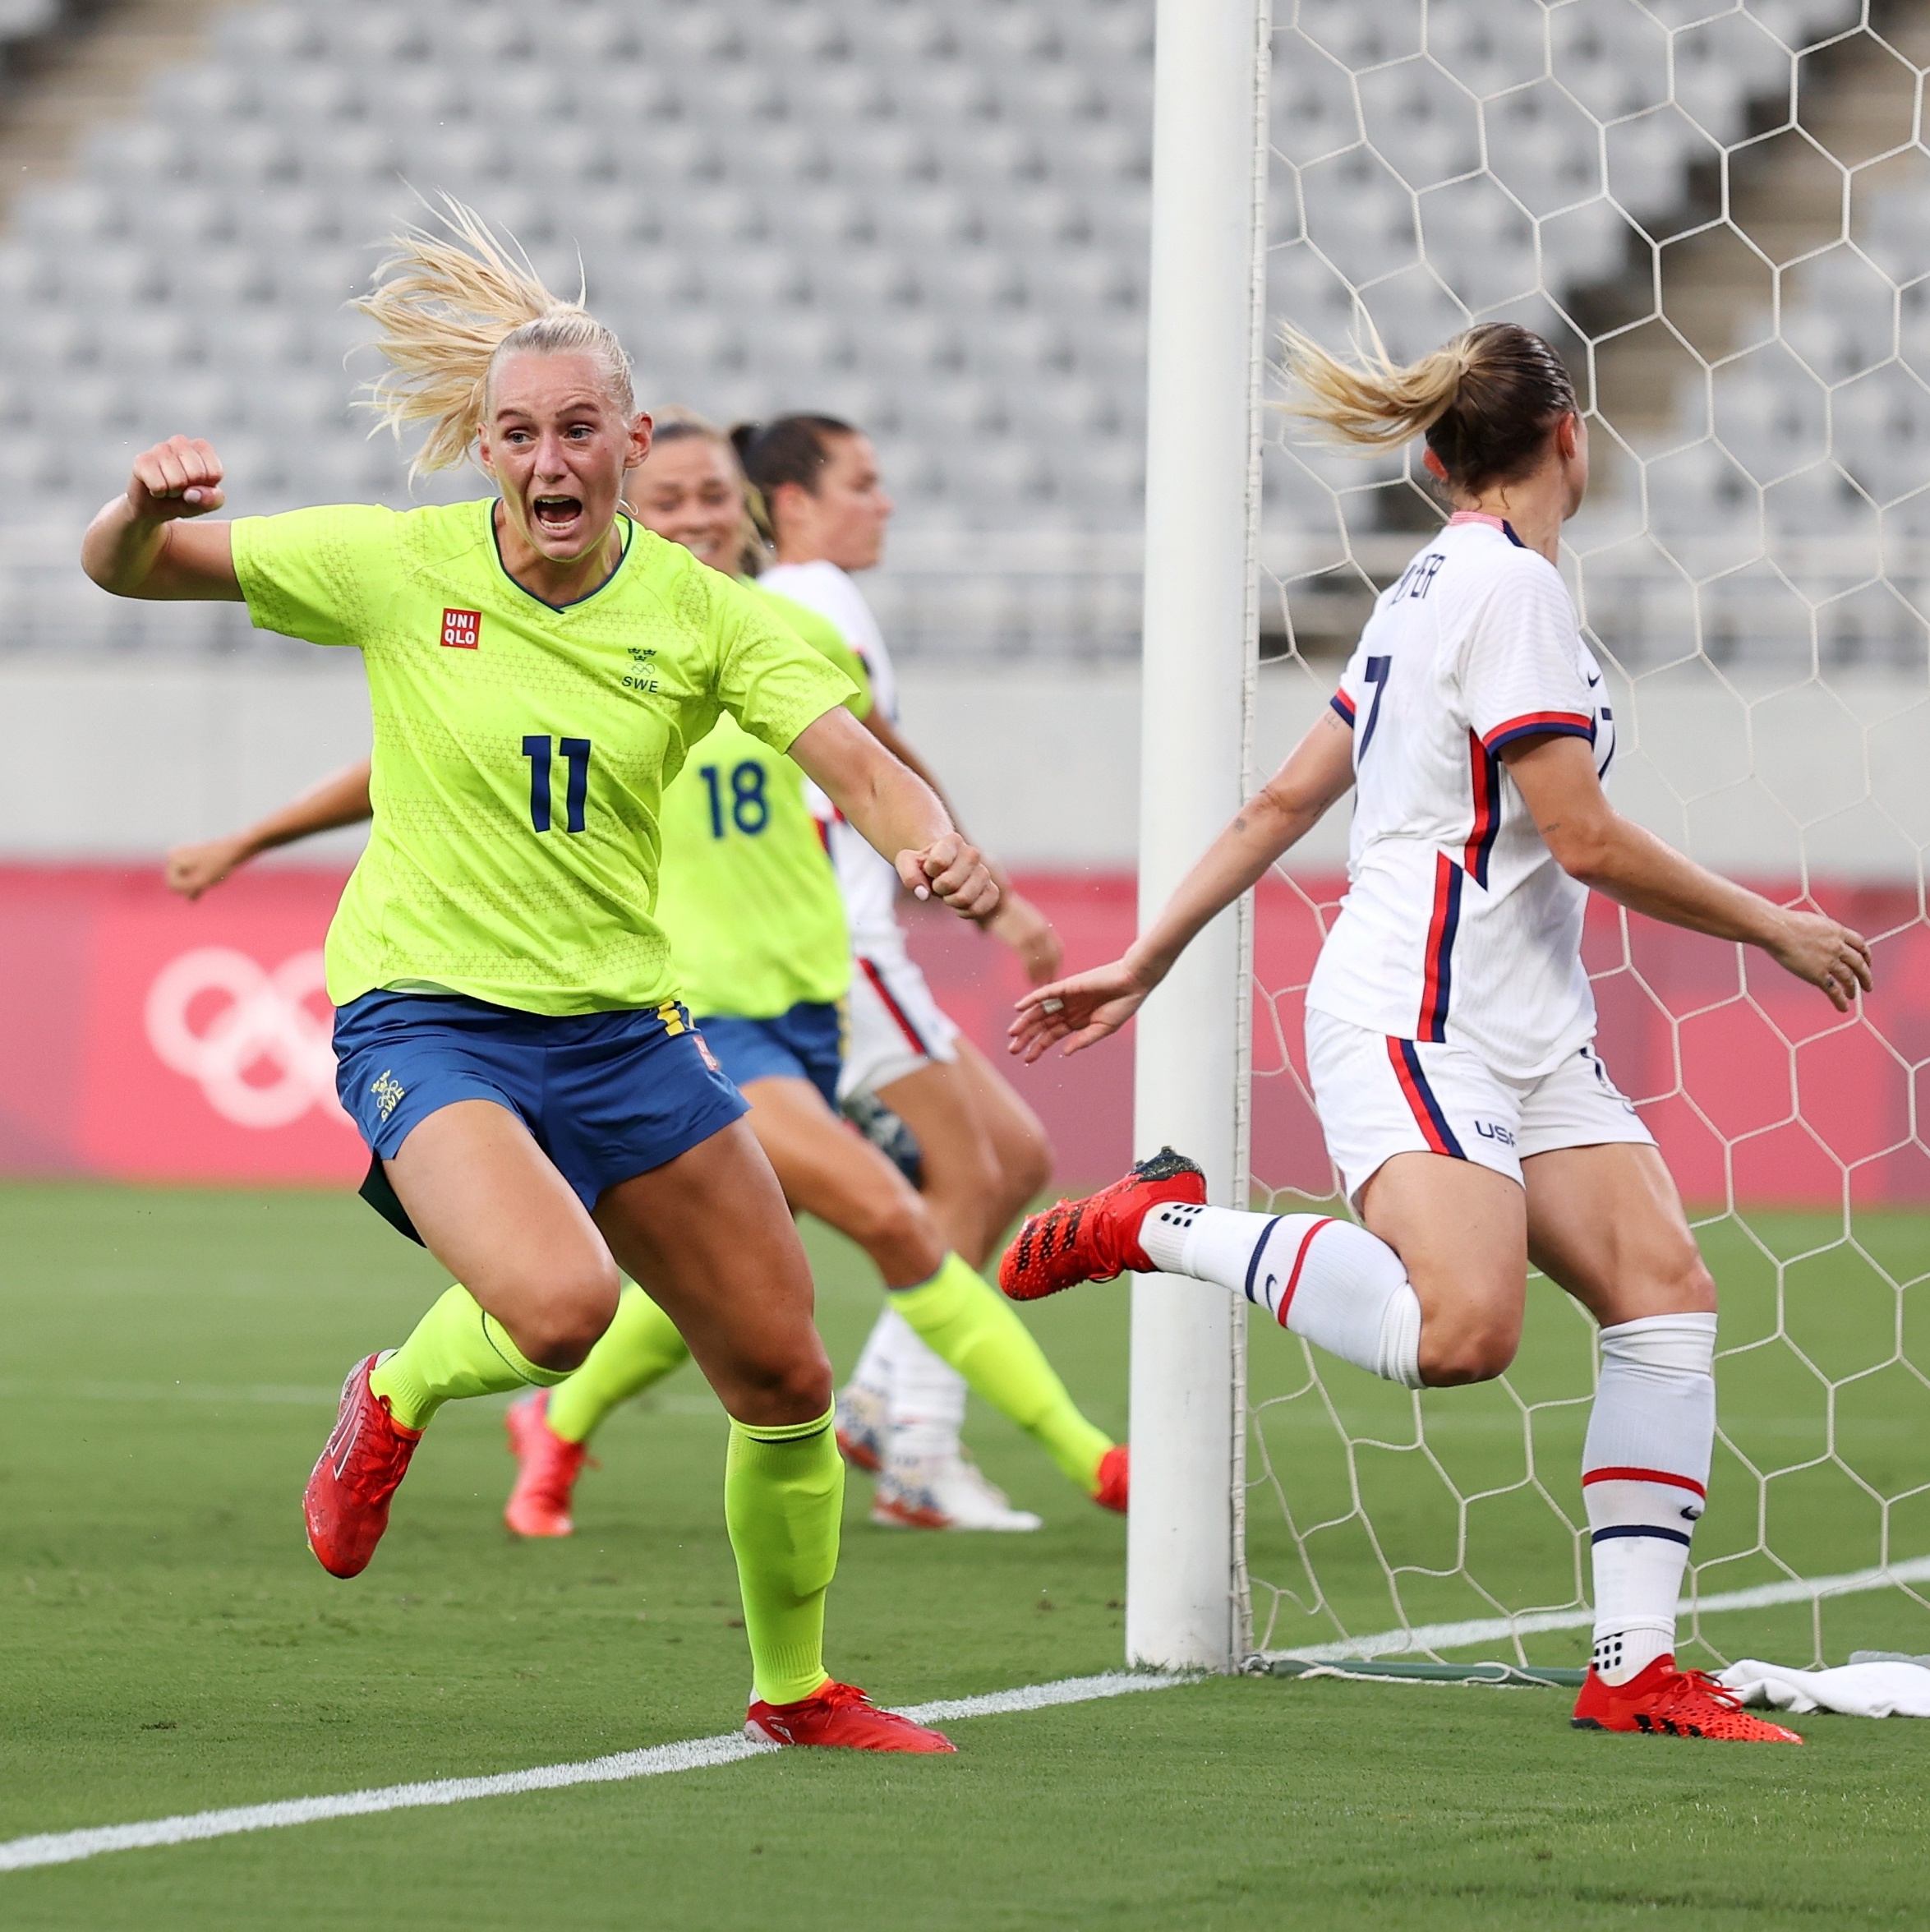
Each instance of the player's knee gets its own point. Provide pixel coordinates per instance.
(570, 1318)
(787, 1384)
(1691, 1287)
(896, 1229)
(1453, 1354)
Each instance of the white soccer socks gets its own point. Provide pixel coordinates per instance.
(917, 1397)
(928, 1400)
(1342, 1287)
(1644, 1477)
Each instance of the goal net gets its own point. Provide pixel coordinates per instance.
(1718, 213)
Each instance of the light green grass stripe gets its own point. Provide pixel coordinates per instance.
(1488, 1630)
(695, 1754)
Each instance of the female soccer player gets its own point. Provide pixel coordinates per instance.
(1450, 1022)
(748, 900)
(509, 1034)
(985, 1153)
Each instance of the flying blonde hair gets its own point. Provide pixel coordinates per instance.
(1486, 401)
(447, 309)
(1373, 403)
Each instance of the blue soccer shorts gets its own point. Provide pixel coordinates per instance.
(807, 1043)
(606, 1096)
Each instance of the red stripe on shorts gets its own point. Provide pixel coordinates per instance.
(891, 1007)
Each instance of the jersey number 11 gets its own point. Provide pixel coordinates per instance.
(576, 754)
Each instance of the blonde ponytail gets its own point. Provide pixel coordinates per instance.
(447, 309)
(1375, 403)
(1486, 402)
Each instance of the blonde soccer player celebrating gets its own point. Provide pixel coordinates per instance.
(1450, 1024)
(509, 1035)
(747, 900)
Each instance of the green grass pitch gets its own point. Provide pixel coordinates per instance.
(168, 1644)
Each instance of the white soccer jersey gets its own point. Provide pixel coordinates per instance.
(868, 881)
(1457, 923)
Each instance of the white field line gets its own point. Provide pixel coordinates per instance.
(1453, 1636)
(695, 1754)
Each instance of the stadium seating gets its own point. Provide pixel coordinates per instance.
(934, 218)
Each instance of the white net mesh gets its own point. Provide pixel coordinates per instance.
(1718, 216)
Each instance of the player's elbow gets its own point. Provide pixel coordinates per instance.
(1587, 849)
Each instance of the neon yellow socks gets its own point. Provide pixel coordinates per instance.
(456, 1350)
(978, 1332)
(783, 1492)
(639, 1348)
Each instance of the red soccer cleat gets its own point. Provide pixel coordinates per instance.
(841, 1717)
(346, 1504)
(1115, 1478)
(1098, 1238)
(1665, 1702)
(549, 1466)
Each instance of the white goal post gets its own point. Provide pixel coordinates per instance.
(1185, 1607)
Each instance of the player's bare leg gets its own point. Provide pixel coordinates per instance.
(1460, 1232)
(540, 1288)
(965, 1187)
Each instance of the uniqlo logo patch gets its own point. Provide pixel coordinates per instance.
(462, 630)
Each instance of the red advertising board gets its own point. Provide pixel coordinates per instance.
(147, 1039)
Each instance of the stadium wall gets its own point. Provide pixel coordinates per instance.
(144, 1038)
(147, 1039)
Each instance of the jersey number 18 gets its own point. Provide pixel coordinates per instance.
(747, 808)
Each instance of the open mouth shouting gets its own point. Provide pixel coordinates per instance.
(557, 515)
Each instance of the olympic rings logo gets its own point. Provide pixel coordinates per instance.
(262, 1055)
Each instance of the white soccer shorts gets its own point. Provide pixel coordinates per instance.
(895, 1026)
(1378, 1097)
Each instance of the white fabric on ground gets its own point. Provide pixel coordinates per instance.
(1855, 1689)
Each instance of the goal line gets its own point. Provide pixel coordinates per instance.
(1488, 1629)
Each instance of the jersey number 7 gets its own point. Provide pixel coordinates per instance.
(1375, 673)
(576, 754)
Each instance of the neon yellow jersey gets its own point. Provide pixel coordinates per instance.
(747, 894)
(521, 751)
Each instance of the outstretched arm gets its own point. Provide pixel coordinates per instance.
(896, 812)
(1016, 920)
(1084, 1009)
(343, 799)
(1593, 843)
(143, 544)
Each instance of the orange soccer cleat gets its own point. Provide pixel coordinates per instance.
(841, 1717)
(1665, 1702)
(1098, 1238)
(1115, 1478)
(346, 1504)
(548, 1466)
